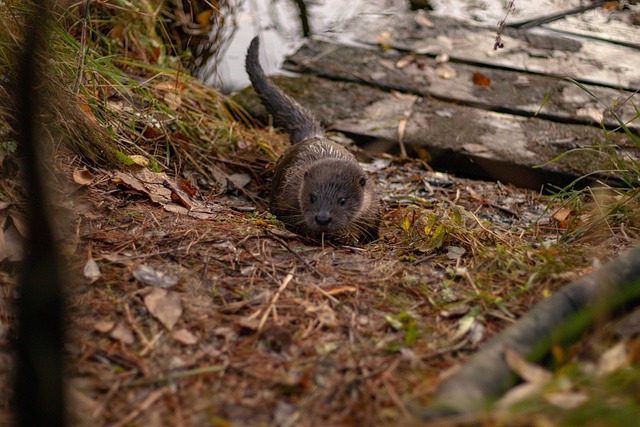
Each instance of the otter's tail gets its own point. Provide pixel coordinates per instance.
(287, 113)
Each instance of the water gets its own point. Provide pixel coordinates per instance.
(277, 22)
(279, 26)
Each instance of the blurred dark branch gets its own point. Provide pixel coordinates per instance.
(38, 384)
(304, 17)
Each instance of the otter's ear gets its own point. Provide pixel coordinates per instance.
(306, 175)
(363, 181)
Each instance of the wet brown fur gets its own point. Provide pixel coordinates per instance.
(318, 189)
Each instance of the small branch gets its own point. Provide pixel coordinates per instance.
(530, 23)
(150, 400)
(282, 287)
(177, 375)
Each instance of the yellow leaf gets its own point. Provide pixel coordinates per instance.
(405, 224)
(139, 160)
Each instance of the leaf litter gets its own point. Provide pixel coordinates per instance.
(197, 308)
(254, 327)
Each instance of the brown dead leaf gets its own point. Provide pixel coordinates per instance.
(139, 160)
(455, 311)
(117, 32)
(11, 244)
(615, 358)
(421, 19)
(83, 176)
(525, 370)
(261, 223)
(92, 270)
(566, 399)
(612, 6)
(404, 61)
(561, 214)
(172, 93)
(455, 252)
(481, 80)
(150, 276)
(204, 18)
(325, 314)
(337, 290)
(534, 376)
(123, 334)
(519, 393)
(166, 306)
(185, 337)
(446, 72)
(383, 37)
(104, 326)
(121, 178)
(86, 109)
(188, 187)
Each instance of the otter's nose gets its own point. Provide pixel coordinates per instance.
(323, 218)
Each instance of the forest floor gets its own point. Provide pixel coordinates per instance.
(189, 304)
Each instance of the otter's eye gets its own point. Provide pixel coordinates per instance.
(363, 181)
(312, 198)
(342, 201)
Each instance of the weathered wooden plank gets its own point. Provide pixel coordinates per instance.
(605, 22)
(508, 91)
(597, 24)
(534, 51)
(491, 11)
(460, 139)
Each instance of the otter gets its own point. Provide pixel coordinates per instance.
(319, 189)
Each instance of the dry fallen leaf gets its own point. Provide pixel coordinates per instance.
(613, 359)
(150, 276)
(86, 109)
(455, 252)
(525, 370)
(92, 270)
(185, 337)
(404, 61)
(421, 19)
(535, 379)
(592, 113)
(465, 325)
(324, 313)
(166, 306)
(481, 80)
(122, 334)
(11, 245)
(566, 400)
(139, 160)
(336, 290)
(383, 37)
(204, 18)
(519, 393)
(446, 72)
(561, 214)
(83, 176)
(122, 178)
(455, 311)
(104, 326)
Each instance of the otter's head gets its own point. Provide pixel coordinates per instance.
(331, 197)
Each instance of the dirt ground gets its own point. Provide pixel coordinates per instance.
(220, 317)
(188, 304)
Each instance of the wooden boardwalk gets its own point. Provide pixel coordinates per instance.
(437, 85)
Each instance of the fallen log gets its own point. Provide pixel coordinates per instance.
(561, 319)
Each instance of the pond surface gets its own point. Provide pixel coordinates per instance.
(279, 25)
